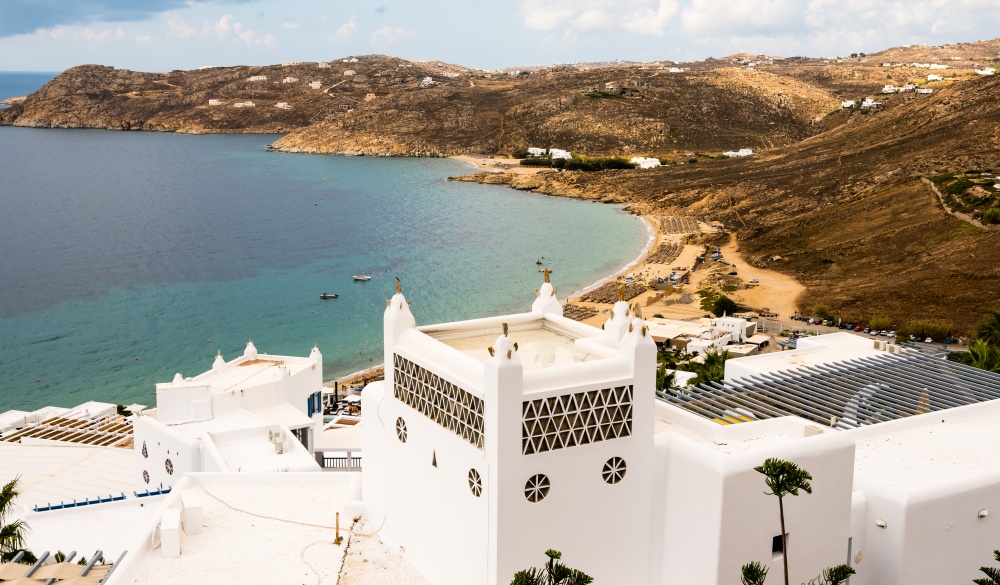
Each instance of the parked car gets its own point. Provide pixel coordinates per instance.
(754, 280)
(732, 273)
(865, 330)
(858, 328)
(928, 340)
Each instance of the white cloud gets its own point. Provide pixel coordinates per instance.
(92, 35)
(644, 17)
(223, 26)
(291, 25)
(177, 27)
(226, 29)
(386, 36)
(347, 29)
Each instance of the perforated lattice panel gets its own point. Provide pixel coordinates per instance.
(576, 419)
(438, 399)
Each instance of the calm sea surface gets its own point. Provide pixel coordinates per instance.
(127, 257)
(21, 83)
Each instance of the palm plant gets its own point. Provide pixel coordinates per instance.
(989, 329)
(665, 382)
(992, 573)
(11, 534)
(784, 478)
(981, 355)
(753, 574)
(554, 573)
(711, 369)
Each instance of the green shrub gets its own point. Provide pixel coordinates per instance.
(960, 186)
(667, 161)
(692, 161)
(991, 215)
(585, 163)
(724, 306)
(880, 323)
(924, 329)
(536, 162)
(520, 153)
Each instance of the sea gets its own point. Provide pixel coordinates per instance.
(126, 257)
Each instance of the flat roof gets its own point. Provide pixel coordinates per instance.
(538, 348)
(51, 474)
(929, 454)
(849, 394)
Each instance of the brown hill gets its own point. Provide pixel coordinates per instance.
(846, 211)
(615, 110)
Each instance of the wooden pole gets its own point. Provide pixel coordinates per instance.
(338, 540)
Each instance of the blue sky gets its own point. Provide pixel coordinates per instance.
(160, 35)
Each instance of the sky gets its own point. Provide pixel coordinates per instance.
(162, 35)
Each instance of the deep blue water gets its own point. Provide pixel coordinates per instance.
(21, 83)
(127, 257)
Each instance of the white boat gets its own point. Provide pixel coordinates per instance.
(362, 276)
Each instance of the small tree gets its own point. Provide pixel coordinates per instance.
(11, 534)
(665, 381)
(989, 329)
(992, 573)
(554, 573)
(784, 478)
(724, 306)
(753, 574)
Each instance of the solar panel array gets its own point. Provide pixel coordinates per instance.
(845, 395)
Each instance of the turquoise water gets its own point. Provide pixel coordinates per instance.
(130, 256)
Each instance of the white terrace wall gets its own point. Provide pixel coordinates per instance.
(716, 516)
(155, 445)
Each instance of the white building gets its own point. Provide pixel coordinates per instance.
(560, 153)
(938, 66)
(315, 84)
(512, 435)
(257, 78)
(323, 65)
(215, 102)
(739, 153)
(290, 63)
(847, 104)
(255, 413)
(924, 90)
(246, 104)
(985, 71)
(890, 89)
(870, 103)
(426, 82)
(283, 106)
(645, 162)
(349, 72)
(290, 80)
(933, 77)
(675, 70)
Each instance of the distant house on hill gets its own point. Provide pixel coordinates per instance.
(533, 151)
(986, 71)
(870, 103)
(890, 89)
(907, 87)
(933, 77)
(349, 72)
(315, 84)
(644, 162)
(924, 90)
(560, 153)
(675, 70)
(847, 104)
(290, 80)
(323, 65)
(246, 104)
(283, 106)
(939, 66)
(214, 103)
(739, 153)
(369, 96)
(426, 82)
(258, 78)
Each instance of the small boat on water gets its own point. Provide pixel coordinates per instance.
(362, 277)
(327, 296)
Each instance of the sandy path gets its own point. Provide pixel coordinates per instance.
(776, 291)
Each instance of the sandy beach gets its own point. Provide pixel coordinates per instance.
(485, 162)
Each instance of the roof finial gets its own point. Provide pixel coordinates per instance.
(504, 329)
(621, 292)
(399, 286)
(546, 272)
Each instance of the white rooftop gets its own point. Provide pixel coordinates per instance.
(248, 450)
(945, 449)
(538, 348)
(57, 473)
(811, 351)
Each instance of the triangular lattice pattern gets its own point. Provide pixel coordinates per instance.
(439, 400)
(576, 419)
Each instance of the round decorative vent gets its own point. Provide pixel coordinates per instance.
(145, 452)
(475, 483)
(170, 467)
(145, 476)
(536, 488)
(401, 429)
(614, 470)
